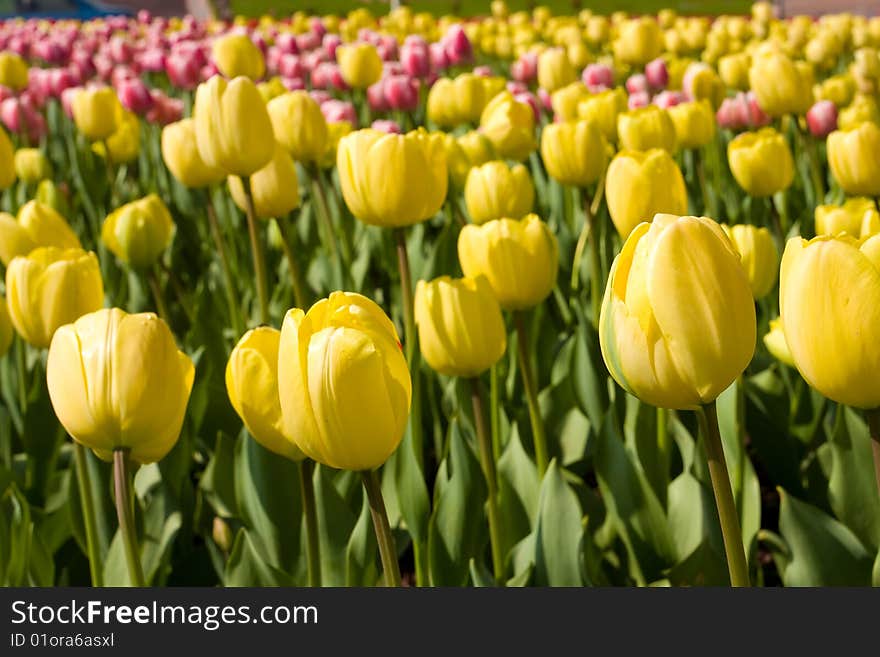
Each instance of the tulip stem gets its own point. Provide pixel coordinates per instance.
(494, 411)
(727, 513)
(343, 259)
(874, 426)
(90, 522)
(296, 279)
(257, 251)
(410, 340)
(156, 289)
(313, 549)
(588, 232)
(21, 366)
(539, 437)
(387, 546)
(707, 206)
(228, 280)
(487, 461)
(125, 514)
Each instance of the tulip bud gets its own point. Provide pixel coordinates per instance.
(95, 112)
(299, 125)
(37, 224)
(460, 100)
(457, 46)
(125, 143)
(520, 259)
(139, 232)
(7, 162)
(574, 153)
(181, 155)
(236, 55)
(733, 70)
(335, 132)
(401, 93)
(822, 118)
(222, 534)
(233, 129)
(416, 162)
(657, 73)
(780, 86)
(252, 386)
(697, 323)
(761, 162)
(555, 69)
(646, 128)
(415, 56)
(118, 381)
(598, 77)
(6, 330)
(854, 159)
(639, 185)
(604, 108)
(510, 126)
(565, 101)
(343, 382)
(857, 216)
(759, 256)
(636, 83)
(776, 344)
(274, 187)
(477, 147)
(135, 96)
(13, 71)
(182, 70)
(493, 190)
(359, 64)
(51, 287)
(639, 41)
(525, 69)
(32, 165)
(461, 329)
(694, 123)
(832, 334)
(54, 196)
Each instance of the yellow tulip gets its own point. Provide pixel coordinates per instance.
(299, 125)
(37, 224)
(476, 147)
(510, 126)
(775, 342)
(857, 216)
(734, 70)
(829, 302)
(118, 381)
(51, 287)
(274, 187)
(139, 232)
(236, 54)
(271, 88)
(604, 108)
(32, 165)
(359, 64)
(555, 69)
(6, 330)
(839, 89)
(457, 162)
(233, 129)
(7, 161)
(252, 386)
(520, 259)
(461, 329)
(646, 128)
(13, 71)
(565, 100)
(181, 155)
(677, 336)
(761, 162)
(694, 123)
(343, 382)
(575, 153)
(335, 132)
(494, 190)
(95, 112)
(124, 144)
(854, 158)
(780, 86)
(453, 101)
(704, 84)
(392, 180)
(861, 109)
(639, 185)
(759, 256)
(639, 41)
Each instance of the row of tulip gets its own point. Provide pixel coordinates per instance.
(288, 414)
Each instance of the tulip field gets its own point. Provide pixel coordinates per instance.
(524, 298)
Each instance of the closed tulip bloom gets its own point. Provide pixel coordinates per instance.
(13, 71)
(604, 108)
(857, 216)
(461, 329)
(575, 153)
(7, 161)
(359, 64)
(118, 381)
(854, 158)
(6, 330)
(37, 224)
(779, 85)
(233, 129)
(32, 165)
(829, 303)
(343, 383)
(335, 132)
(734, 70)
(299, 125)
(457, 162)
(759, 256)
(520, 259)
(452, 101)
(494, 190)
(761, 162)
(565, 101)
(51, 287)
(676, 336)
(639, 41)
(95, 112)
(392, 180)
(646, 128)
(252, 386)
(274, 187)
(476, 147)
(236, 54)
(694, 123)
(181, 155)
(776, 344)
(124, 145)
(639, 185)
(139, 232)
(555, 69)
(510, 126)
(862, 109)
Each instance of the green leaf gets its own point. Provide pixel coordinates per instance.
(702, 567)
(218, 480)
(360, 553)
(412, 492)
(336, 522)
(518, 490)
(693, 518)
(246, 567)
(823, 551)
(480, 575)
(558, 532)
(588, 374)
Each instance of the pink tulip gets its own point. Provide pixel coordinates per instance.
(316, 26)
(525, 69)
(286, 43)
(457, 45)
(61, 79)
(339, 110)
(401, 93)
(385, 125)
(528, 98)
(120, 50)
(326, 75)
(307, 41)
(483, 71)
(182, 71)
(103, 66)
(636, 83)
(135, 95)
(376, 97)
(152, 60)
(439, 58)
(67, 100)
(330, 43)
(6, 92)
(290, 66)
(208, 71)
(657, 73)
(822, 118)
(545, 100)
(415, 56)
(638, 99)
(293, 84)
(387, 49)
(667, 99)
(515, 87)
(320, 96)
(598, 75)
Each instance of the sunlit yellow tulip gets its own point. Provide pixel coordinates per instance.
(181, 155)
(359, 64)
(574, 152)
(13, 71)
(37, 224)
(555, 69)
(639, 41)
(779, 85)
(96, 112)
(32, 165)
(6, 330)
(124, 144)
(236, 54)
(604, 108)
(510, 126)
(854, 158)
(694, 123)
(7, 161)
(775, 342)
(646, 128)
(274, 187)
(299, 125)
(759, 256)
(761, 162)
(494, 190)
(139, 232)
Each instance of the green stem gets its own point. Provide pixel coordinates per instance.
(21, 366)
(727, 513)
(84, 485)
(539, 437)
(588, 233)
(228, 280)
(387, 546)
(494, 412)
(487, 462)
(330, 236)
(158, 297)
(257, 251)
(125, 514)
(707, 206)
(663, 443)
(410, 340)
(296, 279)
(313, 549)
(874, 425)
